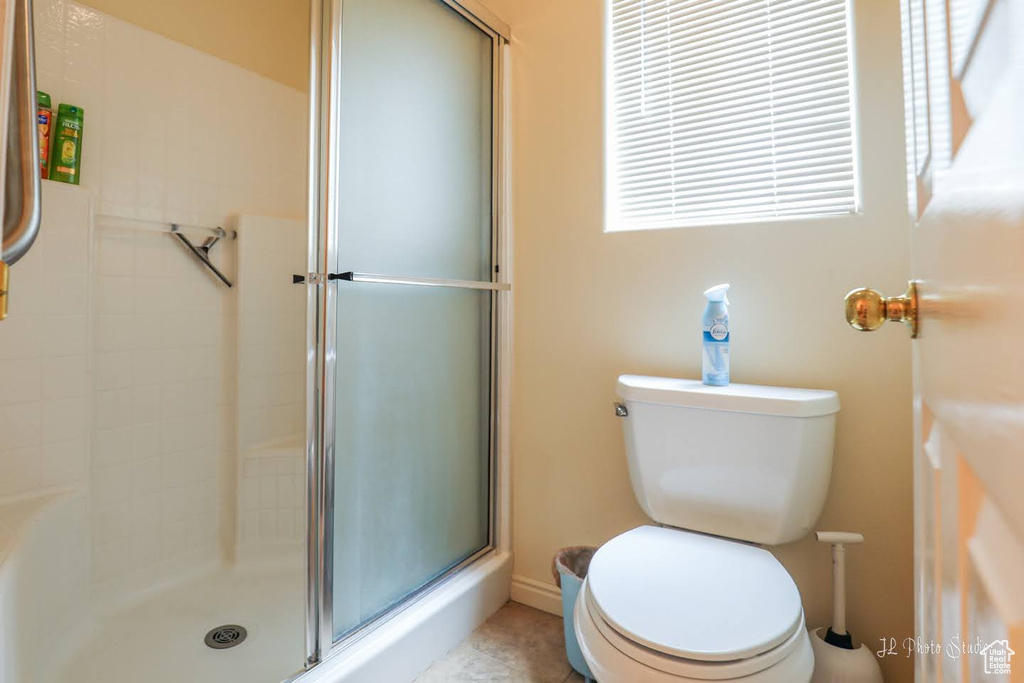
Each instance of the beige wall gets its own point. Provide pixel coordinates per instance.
(590, 306)
(270, 37)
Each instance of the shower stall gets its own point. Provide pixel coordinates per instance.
(254, 428)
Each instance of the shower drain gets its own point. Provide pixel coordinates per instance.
(223, 637)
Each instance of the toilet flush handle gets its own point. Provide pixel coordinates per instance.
(620, 409)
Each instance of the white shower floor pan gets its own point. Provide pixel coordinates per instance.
(159, 639)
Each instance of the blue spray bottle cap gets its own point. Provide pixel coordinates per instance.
(718, 293)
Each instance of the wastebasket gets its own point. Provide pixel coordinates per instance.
(569, 568)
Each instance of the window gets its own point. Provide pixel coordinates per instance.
(728, 111)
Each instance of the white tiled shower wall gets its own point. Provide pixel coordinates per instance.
(163, 404)
(273, 493)
(271, 380)
(44, 353)
(271, 331)
(171, 134)
(45, 407)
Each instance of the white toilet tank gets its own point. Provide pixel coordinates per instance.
(742, 461)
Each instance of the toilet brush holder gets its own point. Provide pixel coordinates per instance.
(836, 659)
(834, 664)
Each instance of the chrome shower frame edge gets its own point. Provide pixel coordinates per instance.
(328, 227)
(319, 86)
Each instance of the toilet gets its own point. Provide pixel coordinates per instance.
(722, 472)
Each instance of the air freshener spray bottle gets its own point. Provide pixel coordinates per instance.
(716, 337)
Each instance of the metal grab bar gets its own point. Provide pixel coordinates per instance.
(22, 201)
(351, 276)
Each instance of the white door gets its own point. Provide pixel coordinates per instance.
(964, 74)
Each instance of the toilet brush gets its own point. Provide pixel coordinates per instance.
(836, 660)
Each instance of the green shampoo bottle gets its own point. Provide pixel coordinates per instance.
(66, 154)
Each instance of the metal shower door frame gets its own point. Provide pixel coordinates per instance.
(323, 259)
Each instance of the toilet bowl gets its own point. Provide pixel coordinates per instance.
(724, 471)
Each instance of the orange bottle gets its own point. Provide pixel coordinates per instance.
(44, 122)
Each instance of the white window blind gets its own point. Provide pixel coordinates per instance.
(728, 111)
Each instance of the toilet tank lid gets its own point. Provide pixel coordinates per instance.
(739, 398)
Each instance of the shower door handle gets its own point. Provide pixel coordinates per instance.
(22, 187)
(352, 276)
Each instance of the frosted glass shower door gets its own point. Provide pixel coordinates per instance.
(414, 304)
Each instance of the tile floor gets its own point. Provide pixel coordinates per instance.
(517, 645)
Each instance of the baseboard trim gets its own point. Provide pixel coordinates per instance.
(537, 594)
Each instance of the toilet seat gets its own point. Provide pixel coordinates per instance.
(670, 605)
(692, 595)
(613, 658)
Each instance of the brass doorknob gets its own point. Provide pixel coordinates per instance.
(867, 310)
